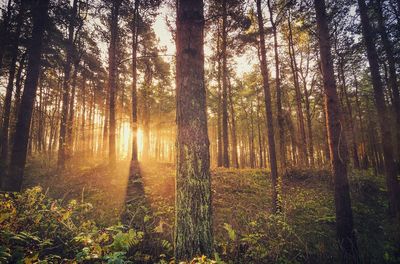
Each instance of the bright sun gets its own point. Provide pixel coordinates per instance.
(125, 139)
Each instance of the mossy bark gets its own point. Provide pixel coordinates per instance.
(193, 216)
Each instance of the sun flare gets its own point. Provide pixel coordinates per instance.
(125, 139)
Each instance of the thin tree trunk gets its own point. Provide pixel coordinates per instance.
(148, 79)
(299, 108)
(106, 122)
(219, 107)
(71, 111)
(281, 130)
(83, 124)
(135, 35)
(356, 160)
(364, 158)
(225, 136)
(251, 140)
(309, 125)
(268, 110)
(63, 148)
(233, 122)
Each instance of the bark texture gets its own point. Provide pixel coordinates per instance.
(112, 79)
(5, 131)
(384, 121)
(268, 110)
(13, 181)
(193, 219)
(337, 143)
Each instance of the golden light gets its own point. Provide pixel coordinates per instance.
(125, 140)
(140, 141)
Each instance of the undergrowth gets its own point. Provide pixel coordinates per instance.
(37, 227)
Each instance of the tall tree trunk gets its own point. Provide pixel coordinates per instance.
(252, 154)
(309, 124)
(268, 110)
(225, 136)
(106, 122)
(281, 130)
(83, 121)
(384, 122)
(135, 35)
(148, 79)
(17, 97)
(193, 214)
(356, 159)
(388, 47)
(13, 181)
(299, 108)
(337, 143)
(112, 79)
(71, 111)
(41, 120)
(219, 107)
(4, 32)
(364, 158)
(63, 148)
(260, 145)
(233, 123)
(5, 131)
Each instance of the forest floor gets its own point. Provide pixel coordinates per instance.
(245, 230)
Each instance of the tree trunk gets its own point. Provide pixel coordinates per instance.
(364, 158)
(106, 122)
(13, 181)
(63, 148)
(225, 136)
(309, 125)
(112, 79)
(268, 110)
(252, 154)
(193, 214)
(337, 143)
(348, 115)
(219, 110)
(148, 80)
(135, 36)
(299, 108)
(4, 32)
(71, 111)
(233, 133)
(17, 97)
(384, 121)
(388, 47)
(83, 121)
(10, 87)
(281, 130)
